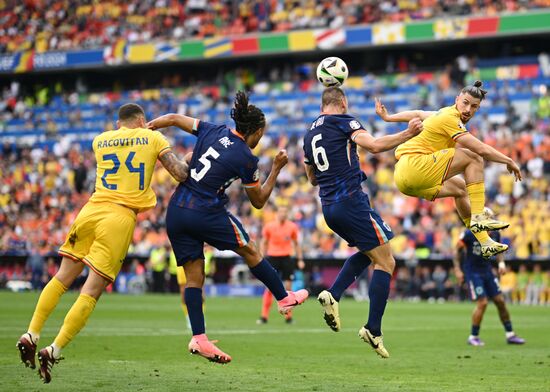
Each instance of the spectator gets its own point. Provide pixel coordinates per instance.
(508, 284)
(158, 262)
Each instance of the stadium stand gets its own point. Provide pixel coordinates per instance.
(46, 129)
(40, 179)
(49, 25)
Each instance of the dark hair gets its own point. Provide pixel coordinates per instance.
(332, 95)
(130, 111)
(248, 118)
(475, 91)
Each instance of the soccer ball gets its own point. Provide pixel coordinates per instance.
(332, 72)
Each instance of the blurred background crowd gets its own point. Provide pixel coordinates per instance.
(47, 25)
(46, 127)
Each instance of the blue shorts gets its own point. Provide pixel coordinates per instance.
(355, 221)
(189, 229)
(483, 285)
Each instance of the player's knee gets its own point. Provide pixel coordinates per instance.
(386, 264)
(461, 193)
(195, 279)
(94, 285)
(194, 273)
(250, 253)
(482, 303)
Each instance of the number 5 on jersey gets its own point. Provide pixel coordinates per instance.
(319, 152)
(197, 176)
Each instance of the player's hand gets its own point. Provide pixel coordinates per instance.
(187, 157)
(381, 109)
(415, 126)
(459, 276)
(501, 268)
(281, 159)
(513, 168)
(159, 122)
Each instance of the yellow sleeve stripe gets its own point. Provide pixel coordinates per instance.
(458, 134)
(164, 151)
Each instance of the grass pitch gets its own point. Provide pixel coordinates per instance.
(139, 343)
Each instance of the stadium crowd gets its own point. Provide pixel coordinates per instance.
(47, 25)
(45, 184)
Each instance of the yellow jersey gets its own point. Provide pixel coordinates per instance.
(125, 163)
(441, 130)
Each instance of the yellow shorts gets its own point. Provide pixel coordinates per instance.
(182, 280)
(100, 237)
(422, 175)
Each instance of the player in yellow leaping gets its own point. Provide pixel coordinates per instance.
(428, 164)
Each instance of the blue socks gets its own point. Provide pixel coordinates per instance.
(353, 267)
(266, 274)
(475, 330)
(507, 326)
(193, 301)
(379, 290)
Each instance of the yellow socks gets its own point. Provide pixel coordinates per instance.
(48, 300)
(482, 236)
(476, 193)
(75, 320)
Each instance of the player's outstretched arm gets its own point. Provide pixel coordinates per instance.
(177, 168)
(185, 123)
(310, 173)
(260, 194)
(405, 116)
(489, 153)
(375, 145)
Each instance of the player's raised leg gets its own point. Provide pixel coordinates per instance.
(471, 164)
(379, 290)
(352, 268)
(457, 188)
(48, 300)
(264, 272)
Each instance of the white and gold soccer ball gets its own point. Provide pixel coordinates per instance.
(332, 72)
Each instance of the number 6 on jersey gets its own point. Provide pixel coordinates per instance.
(319, 151)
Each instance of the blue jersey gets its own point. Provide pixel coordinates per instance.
(329, 147)
(474, 263)
(220, 157)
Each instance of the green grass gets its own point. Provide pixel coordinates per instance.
(138, 343)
